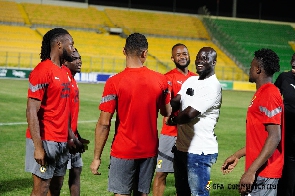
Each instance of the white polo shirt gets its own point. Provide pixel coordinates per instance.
(198, 136)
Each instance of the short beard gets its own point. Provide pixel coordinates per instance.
(205, 73)
(66, 56)
(251, 80)
(182, 66)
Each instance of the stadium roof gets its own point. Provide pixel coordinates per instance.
(278, 10)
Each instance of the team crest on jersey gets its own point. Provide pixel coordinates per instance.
(251, 103)
(208, 187)
(159, 165)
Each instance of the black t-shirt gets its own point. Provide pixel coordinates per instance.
(286, 83)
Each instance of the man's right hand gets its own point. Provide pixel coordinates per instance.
(229, 164)
(39, 156)
(95, 166)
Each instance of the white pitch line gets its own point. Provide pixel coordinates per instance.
(16, 123)
(24, 123)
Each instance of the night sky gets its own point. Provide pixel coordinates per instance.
(279, 10)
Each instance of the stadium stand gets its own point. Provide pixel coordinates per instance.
(101, 50)
(53, 15)
(157, 23)
(19, 46)
(241, 38)
(225, 69)
(10, 12)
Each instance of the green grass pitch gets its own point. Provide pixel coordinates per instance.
(14, 181)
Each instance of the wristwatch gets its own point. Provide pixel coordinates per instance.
(172, 120)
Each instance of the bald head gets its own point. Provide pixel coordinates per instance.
(205, 62)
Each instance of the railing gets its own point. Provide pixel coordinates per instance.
(109, 64)
(90, 63)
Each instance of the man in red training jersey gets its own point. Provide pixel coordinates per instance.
(47, 109)
(75, 159)
(264, 148)
(176, 77)
(136, 95)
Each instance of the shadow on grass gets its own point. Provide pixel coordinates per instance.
(19, 184)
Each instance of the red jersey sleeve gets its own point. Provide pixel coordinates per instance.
(271, 107)
(38, 83)
(108, 101)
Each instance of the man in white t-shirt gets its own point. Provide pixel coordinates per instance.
(199, 101)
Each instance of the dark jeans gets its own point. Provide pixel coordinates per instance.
(180, 173)
(286, 186)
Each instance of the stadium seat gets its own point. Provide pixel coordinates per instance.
(53, 15)
(9, 12)
(19, 46)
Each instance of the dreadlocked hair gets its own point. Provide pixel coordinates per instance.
(269, 60)
(136, 43)
(48, 38)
